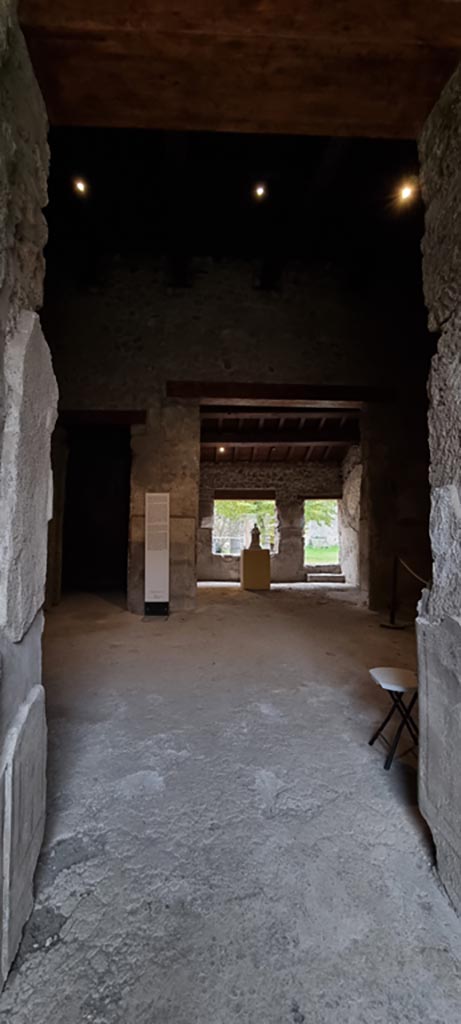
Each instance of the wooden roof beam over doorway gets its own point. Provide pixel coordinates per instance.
(333, 396)
(342, 68)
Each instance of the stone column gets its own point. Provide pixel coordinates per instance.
(205, 536)
(395, 497)
(166, 458)
(439, 622)
(288, 564)
(59, 456)
(28, 399)
(350, 521)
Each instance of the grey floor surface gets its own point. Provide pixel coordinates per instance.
(223, 845)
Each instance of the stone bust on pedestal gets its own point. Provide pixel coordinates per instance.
(255, 539)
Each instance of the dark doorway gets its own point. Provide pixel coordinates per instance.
(96, 514)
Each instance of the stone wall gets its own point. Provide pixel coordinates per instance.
(28, 399)
(116, 344)
(439, 622)
(287, 480)
(291, 484)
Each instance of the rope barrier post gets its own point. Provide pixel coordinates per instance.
(395, 590)
(394, 597)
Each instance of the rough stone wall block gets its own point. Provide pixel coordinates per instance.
(289, 564)
(349, 517)
(439, 622)
(25, 475)
(22, 800)
(28, 398)
(59, 457)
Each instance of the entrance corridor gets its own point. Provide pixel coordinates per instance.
(222, 844)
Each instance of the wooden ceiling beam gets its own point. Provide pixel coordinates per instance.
(337, 396)
(344, 68)
(101, 417)
(265, 438)
(222, 413)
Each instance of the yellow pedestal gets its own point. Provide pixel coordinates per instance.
(255, 570)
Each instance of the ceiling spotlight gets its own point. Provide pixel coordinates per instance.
(221, 450)
(408, 190)
(80, 186)
(260, 191)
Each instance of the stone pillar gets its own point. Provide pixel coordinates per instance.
(350, 521)
(59, 456)
(439, 622)
(28, 399)
(205, 536)
(166, 458)
(395, 497)
(288, 564)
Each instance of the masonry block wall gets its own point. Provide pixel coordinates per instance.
(117, 344)
(290, 484)
(28, 397)
(439, 623)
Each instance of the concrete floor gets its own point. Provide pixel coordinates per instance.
(223, 845)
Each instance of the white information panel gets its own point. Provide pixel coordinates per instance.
(157, 548)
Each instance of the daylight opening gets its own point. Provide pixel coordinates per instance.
(321, 532)
(234, 519)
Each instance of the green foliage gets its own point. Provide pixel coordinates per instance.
(263, 512)
(320, 510)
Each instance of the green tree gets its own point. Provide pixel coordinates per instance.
(320, 510)
(263, 512)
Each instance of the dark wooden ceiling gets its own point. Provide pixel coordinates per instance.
(284, 434)
(342, 67)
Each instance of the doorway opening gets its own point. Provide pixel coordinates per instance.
(96, 509)
(321, 533)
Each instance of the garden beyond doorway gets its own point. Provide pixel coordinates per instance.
(321, 532)
(234, 520)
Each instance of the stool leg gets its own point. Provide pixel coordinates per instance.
(394, 744)
(386, 720)
(412, 729)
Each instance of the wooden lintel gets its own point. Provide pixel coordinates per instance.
(223, 412)
(101, 417)
(337, 396)
(270, 439)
